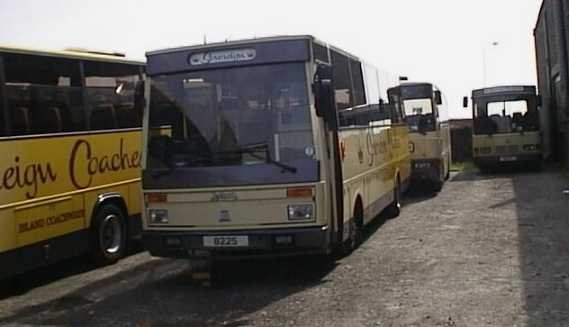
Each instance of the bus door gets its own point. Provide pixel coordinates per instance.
(325, 103)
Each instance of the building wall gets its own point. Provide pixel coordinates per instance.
(551, 40)
(461, 139)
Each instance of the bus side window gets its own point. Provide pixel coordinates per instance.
(43, 94)
(111, 86)
(342, 82)
(358, 83)
(20, 123)
(128, 116)
(103, 117)
(48, 120)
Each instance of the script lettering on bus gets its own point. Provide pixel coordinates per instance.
(29, 175)
(82, 151)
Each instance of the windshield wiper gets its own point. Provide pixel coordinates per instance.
(253, 153)
(163, 173)
(283, 166)
(171, 167)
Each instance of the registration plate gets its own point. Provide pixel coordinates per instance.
(225, 241)
(508, 159)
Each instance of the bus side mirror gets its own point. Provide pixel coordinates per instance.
(438, 97)
(465, 102)
(324, 96)
(539, 101)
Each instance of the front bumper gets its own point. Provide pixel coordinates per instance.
(487, 161)
(425, 170)
(262, 243)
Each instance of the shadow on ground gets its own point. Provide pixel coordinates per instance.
(161, 293)
(543, 224)
(28, 281)
(497, 172)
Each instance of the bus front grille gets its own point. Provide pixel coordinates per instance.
(500, 149)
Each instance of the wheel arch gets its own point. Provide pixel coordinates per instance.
(109, 198)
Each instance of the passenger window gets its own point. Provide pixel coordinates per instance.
(320, 53)
(43, 94)
(20, 121)
(102, 117)
(110, 92)
(128, 116)
(342, 83)
(358, 81)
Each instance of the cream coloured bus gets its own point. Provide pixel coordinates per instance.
(70, 163)
(426, 114)
(265, 147)
(506, 127)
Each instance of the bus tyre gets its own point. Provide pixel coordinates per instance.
(438, 186)
(109, 234)
(354, 239)
(394, 209)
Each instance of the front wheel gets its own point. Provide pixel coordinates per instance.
(354, 240)
(108, 238)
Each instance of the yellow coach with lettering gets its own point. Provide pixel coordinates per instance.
(70, 164)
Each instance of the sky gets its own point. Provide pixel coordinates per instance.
(445, 42)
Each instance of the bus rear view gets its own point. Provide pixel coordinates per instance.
(506, 127)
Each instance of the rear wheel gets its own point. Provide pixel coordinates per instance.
(438, 184)
(108, 234)
(394, 209)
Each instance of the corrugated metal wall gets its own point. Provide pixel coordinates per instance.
(551, 39)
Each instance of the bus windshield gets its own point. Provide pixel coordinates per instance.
(244, 116)
(419, 114)
(417, 101)
(501, 116)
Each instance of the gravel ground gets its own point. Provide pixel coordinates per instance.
(487, 251)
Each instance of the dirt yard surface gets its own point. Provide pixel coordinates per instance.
(487, 251)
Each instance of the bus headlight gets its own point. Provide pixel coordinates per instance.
(158, 216)
(300, 212)
(531, 147)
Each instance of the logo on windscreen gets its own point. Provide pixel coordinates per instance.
(220, 57)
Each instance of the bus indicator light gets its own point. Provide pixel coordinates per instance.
(156, 198)
(299, 192)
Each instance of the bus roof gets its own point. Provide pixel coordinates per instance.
(71, 54)
(251, 41)
(504, 91)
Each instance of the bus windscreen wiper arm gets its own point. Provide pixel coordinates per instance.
(253, 153)
(163, 173)
(284, 167)
(268, 158)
